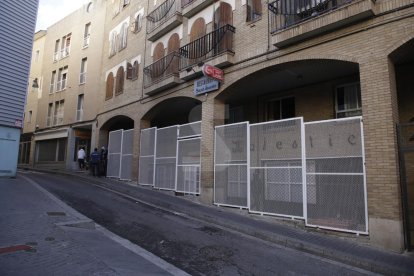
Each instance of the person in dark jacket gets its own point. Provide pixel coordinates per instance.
(95, 159)
(104, 160)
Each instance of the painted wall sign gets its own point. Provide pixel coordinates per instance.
(205, 85)
(213, 72)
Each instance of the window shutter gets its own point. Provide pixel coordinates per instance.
(135, 71)
(129, 71)
(109, 86)
(119, 81)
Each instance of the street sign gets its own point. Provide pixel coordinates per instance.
(205, 85)
(213, 72)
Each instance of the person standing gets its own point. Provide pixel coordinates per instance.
(81, 158)
(95, 158)
(104, 160)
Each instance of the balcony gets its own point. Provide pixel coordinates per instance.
(56, 56)
(163, 19)
(51, 88)
(49, 120)
(292, 21)
(61, 85)
(82, 78)
(79, 115)
(191, 7)
(86, 41)
(216, 48)
(58, 119)
(65, 52)
(162, 74)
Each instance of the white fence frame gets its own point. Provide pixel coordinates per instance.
(238, 164)
(363, 175)
(303, 152)
(153, 156)
(112, 153)
(126, 154)
(188, 165)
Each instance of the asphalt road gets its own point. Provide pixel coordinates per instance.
(196, 247)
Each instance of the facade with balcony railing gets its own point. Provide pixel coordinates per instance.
(320, 60)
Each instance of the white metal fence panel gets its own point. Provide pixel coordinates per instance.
(276, 168)
(147, 157)
(114, 153)
(165, 157)
(127, 154)
(188, 166)
(189, 130)
(336, 189)
(231, 165)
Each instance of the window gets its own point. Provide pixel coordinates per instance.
(82, 75)
(49, 115)
(112, 43)
(58, 114)
(277, 109)
(86, 35)
(89, 8)
(51, 150)
(348, 100)
(37, 55)
(65, 46)
(117, 7)
(52, 82)
(125, 3)
(137, 23)
(132, 71)
(254, 10)
(123, 36)
(29, 116)
(109, 86)
(56, 54)
(79, 111)
(62, 77)
(119, 87)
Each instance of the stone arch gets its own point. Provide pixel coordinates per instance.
(114, 123)
(172, 111)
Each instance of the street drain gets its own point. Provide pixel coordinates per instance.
(49, 239)
(56, 214)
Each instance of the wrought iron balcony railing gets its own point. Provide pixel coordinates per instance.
(161, 69)
(185, 3)
(210, 45)
(161, 14)
(286, 13)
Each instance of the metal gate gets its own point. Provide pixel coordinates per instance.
(126, 155)
(114, 153)
(147, 157)
(188, 158)
(165, 157)
(277, 168)
(406, 154)
(231, 165)
(335, 175)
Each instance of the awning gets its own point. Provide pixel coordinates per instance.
(51, 134)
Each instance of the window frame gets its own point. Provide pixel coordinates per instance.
(354, 111)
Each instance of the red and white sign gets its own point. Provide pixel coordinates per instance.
(213, 72)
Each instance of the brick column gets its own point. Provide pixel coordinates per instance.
(212, 114)
(380, 115)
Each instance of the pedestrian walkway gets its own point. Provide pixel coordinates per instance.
(268, 229)
(40, 235)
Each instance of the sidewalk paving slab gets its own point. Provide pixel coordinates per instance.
(41, 235)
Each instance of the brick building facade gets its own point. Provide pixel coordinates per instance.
(320, 60)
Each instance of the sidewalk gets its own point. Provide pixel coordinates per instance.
(40, 235)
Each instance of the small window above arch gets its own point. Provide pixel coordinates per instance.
(89, 7)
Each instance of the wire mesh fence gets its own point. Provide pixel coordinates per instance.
(147, 157)
(188, 166)
(114, 153)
